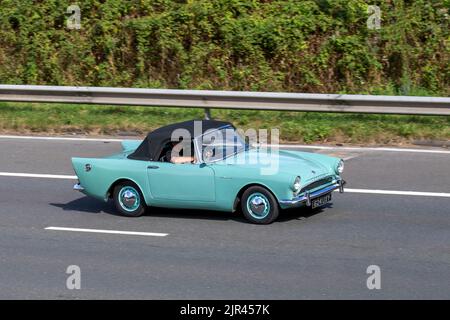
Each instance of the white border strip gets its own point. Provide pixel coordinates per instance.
(133, 233)
(61, 138)
(36, 175)
(284, 146)
(293, 146)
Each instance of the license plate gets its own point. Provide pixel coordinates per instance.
(318, 202)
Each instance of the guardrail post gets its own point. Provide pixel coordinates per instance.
(207, 114)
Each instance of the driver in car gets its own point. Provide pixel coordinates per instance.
(176, 154)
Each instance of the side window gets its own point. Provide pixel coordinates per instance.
(220, 144)
(178, 152)
(166, 152)
(212, 146)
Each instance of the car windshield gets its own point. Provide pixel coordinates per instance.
(219, 144)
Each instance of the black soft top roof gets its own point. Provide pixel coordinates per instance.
(150, 149)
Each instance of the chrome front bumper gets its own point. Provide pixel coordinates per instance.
(306, 198)
(78, 187)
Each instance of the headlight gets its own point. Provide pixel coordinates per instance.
(296, 186)
(340, 167)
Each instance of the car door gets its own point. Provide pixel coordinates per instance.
(185, 182)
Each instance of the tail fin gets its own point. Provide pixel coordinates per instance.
(130, 145)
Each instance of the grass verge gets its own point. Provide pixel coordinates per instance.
(302, 127)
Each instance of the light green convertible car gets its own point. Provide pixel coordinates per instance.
(214, 170)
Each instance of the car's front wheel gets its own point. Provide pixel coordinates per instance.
(259, 205)
(128, 199)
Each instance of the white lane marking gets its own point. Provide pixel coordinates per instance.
(367, 191)
(36, 175)
(61, 138)
(285, 146)
(133, 233)
(349, 157)
(402, 193)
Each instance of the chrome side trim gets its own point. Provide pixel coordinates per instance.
(78, 187)
(306, 198)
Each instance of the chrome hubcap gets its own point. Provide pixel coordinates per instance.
(258, 206)
(129, 198)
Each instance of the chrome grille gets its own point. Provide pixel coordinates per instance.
(316, 184)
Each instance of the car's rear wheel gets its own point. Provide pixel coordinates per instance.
(259, 205)
(128, 199)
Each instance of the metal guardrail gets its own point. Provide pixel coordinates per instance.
(228, 99)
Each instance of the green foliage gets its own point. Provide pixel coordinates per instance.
(270, 45)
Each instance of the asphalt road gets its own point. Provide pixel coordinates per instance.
(213, 255)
